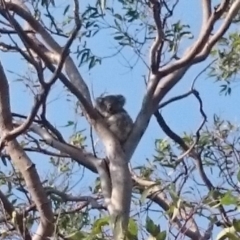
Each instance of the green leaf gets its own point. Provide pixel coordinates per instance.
(229, 199)
(227, 233)
(119, 37)
(85, 57)
(97, 226)
(162, 235)
(117, 25)
(66, 9)
(236, 224)
(93, 62)
(153, 229)
(118, 16)
(76, 235)
(69, 123)
(132, 230)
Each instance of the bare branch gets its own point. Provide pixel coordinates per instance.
(66, 197)
(156, 194)
(201, 72)
(192, 154)
(206, 6)
(18, 218)
(79, 155)
(181, 143)
(25, 166)
(191, 53)
(84, 158)
(196, 94)
(220, 32)
(155, 54)
(22, 128)
(174, 99)
(18, 7)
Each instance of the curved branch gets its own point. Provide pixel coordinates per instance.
(18, 7)
(194, 155)
(79, 155)
(206, 6)
(69, 198)
(25, 165)
(46, 88)
(157, 195)
(201, 42)
(84, 158)
(166, 83)
(174, 99)
(176, 138)
(156, 46)
(220, 32)
(18, 218)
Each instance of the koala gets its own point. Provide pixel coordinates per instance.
(116, 117)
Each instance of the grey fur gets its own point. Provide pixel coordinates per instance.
(116, 117)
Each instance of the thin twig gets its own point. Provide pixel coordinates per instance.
(46, 88)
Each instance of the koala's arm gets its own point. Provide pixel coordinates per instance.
(120, 124)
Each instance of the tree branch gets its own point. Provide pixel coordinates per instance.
(200, 43)
(156, 194)
(155, 54)
(194, 155)
(18, 219)
(46, 88)
(25, 166)
(18, 7)
(206, 13)
(166, 83)
(79, 155)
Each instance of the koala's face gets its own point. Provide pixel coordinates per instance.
(110, 104)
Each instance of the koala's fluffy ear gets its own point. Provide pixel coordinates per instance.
(99, 103)
(121, 99)
(99, 100)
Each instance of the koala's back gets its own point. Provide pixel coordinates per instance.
(118, 120)
(120, 124)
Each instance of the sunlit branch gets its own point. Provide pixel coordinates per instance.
(46, 88)
(206, 12)
(155, 53)
(200, 43)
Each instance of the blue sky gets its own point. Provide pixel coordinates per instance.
(112, 76)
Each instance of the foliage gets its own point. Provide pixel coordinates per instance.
(75, 174)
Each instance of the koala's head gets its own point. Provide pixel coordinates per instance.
(110, 104)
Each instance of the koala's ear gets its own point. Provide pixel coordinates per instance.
(99, 100)
(119, 96)
(121, 99)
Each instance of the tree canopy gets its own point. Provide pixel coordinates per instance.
(65, 174)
